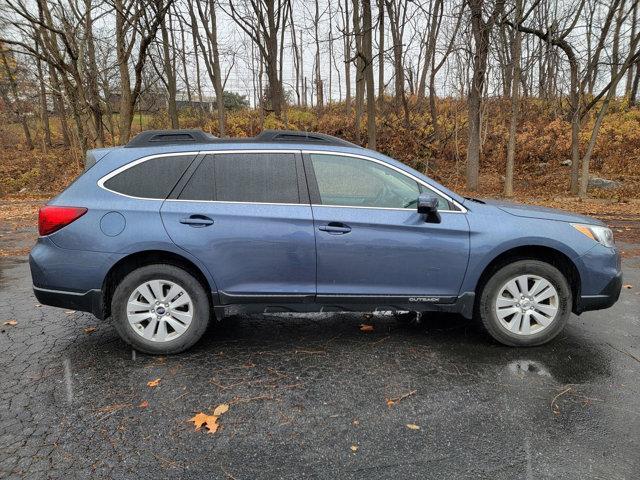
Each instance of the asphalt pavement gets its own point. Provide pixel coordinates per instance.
(313, 396)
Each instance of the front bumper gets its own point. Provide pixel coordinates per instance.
(601, 279)
(604, 299)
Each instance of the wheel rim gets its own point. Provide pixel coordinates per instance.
(159, 310)
(527, 304)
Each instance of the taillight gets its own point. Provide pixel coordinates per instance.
(52, 218)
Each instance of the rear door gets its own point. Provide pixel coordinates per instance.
(246, 216)
(371, 241)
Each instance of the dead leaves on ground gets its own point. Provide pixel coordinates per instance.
(89, 330)
(413, 426)
(210, 421)
(628, 287)
(153, 383)
(10, 323)
(366, 328)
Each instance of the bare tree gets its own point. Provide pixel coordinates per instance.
(134, 27)
(397, 12)
(211, 53)
(262, 20)
(481, 30)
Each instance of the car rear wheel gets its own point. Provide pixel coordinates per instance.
(525, 303)
(160, 309)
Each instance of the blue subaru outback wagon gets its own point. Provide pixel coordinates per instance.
(179, 226)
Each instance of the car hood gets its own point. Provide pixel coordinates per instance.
(544, 213)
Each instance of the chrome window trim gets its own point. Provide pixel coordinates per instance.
(121, 169)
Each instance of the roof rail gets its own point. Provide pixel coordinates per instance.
(297, 136)
(152, 138)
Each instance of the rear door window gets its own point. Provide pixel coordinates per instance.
(153, 178)
(246, 178)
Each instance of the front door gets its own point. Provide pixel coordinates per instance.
(370, 239)
(246, 216)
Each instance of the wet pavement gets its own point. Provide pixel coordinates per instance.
(309, 395)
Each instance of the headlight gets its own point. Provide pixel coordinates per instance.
(602, 235)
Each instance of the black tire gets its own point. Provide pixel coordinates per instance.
(490, 292)
(201, 309)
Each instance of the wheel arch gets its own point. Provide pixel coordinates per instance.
(133, 261)
(543, 253)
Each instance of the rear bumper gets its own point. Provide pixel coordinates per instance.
(70, 279)
(90, 301)
(605, 299)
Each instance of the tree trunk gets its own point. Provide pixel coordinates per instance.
(217, 83)
(368, 73)
(515, 103)
(359, 70)
(347, 57)
(44, 109)
(170, 76)
(58, 106)
(319, 90)
(126, 106)
(481, 37)
(381, 52)
(92, 77)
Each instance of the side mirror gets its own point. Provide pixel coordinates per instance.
(428, 206)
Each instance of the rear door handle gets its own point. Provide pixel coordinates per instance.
(335, 228)
(197, 221)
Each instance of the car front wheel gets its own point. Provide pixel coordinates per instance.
(160, 309)
(525, 303)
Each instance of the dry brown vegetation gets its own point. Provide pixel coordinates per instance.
(543, 143)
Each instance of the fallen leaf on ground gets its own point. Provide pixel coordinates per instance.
(220, 409)
(412, 426)
(627, 286)
(144, 404)
(11, 323)
(354, 448)
(89, 330)
(153, 383)
(390, 402)
(366, 328)
(211, 422)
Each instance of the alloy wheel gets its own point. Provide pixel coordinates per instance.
(527, 304)
(159, 310)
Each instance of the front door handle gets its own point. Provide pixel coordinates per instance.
(197, 221)
(335, 228)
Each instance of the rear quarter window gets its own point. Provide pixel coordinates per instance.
(153, 178)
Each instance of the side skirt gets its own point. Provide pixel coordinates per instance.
(462, 304)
